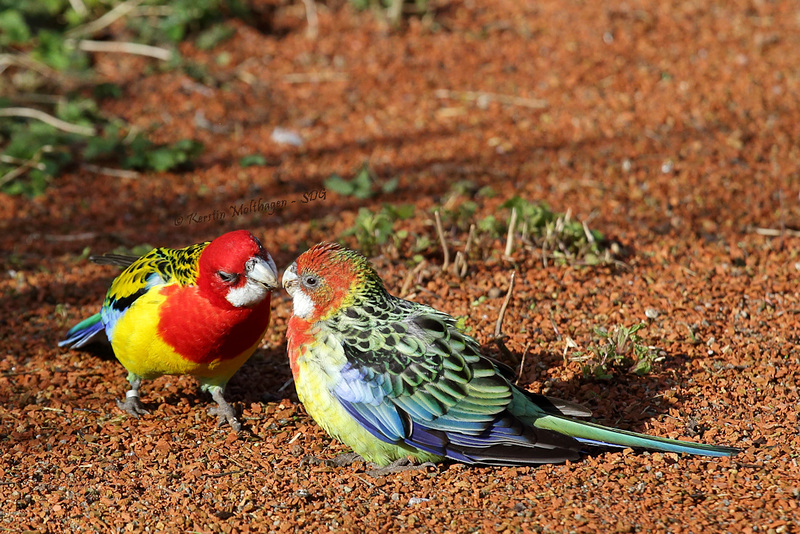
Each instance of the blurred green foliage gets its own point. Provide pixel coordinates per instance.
(49, 78)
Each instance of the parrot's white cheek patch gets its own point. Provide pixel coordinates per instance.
(248, 295)
(302, 304)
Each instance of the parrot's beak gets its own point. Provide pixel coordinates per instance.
(290, 279)
(262, 271)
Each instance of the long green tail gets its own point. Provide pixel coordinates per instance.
(594, 434)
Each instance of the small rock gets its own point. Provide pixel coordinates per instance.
(286, 137)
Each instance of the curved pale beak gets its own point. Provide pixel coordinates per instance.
(289, 280)
(262, 271)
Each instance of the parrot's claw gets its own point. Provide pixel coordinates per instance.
(225, 414)
(342, 460)
(223, 410)
(132, 406)
(398, 466)
(345, 459)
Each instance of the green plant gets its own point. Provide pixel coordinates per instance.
(51, 115)
(619, 347)
(556, 236)
(374, 229)
(458, 213)
(559, 235)
(252, 160)
(173, 21)
(461, 324)
(362, 185)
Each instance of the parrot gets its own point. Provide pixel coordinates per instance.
(200, 310)
(397, 381)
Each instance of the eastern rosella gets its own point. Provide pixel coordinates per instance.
(393, 378)
(200, 310)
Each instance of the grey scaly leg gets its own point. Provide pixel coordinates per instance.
(223, 410)
(398, 466)
(132, 404)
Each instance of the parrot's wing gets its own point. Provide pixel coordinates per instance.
(160, 266)
(551, 405)
(411, 376)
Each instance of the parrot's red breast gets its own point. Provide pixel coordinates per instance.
(202, 332)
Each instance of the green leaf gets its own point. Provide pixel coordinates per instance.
(107, 90)
(213, 36)
(400, 211)
(163, 159)
(362, 184)
(338, 185)
(253, 160)
(13, 28)
(390, 186)
(52, 50)
(486, 191)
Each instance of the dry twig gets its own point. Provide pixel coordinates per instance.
(499, 337)
(314, 77)
(312, 31)
(776, 232)
(522, 363)
(482, 96)
(124, 47)
(108, 171)
(90, 28)
(510, 237)
(460, 264)
(79, 7)
(31, 113)
(440, 232)
(23, 165)
(410, 278)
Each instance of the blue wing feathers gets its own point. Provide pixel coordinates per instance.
(382, 421)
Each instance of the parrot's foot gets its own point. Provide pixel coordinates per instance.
(342, 460)
(225, 414)
(224, 411)
(398, 466)
(132, 404)
(345, 459)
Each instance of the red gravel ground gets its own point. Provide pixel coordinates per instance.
(671, 126)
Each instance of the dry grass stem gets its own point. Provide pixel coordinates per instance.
(510, 237)
(499, 337)
(124, 47)
(90, 28)
(442, 240)
(31, 113)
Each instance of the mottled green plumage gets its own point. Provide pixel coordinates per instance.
(402, 371)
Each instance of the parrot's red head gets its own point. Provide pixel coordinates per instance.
(328, 278)
(237, 270)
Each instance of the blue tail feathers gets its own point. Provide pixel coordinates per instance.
(83, 333)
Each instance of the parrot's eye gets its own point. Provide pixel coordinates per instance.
(228, 278)
(310, 281)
